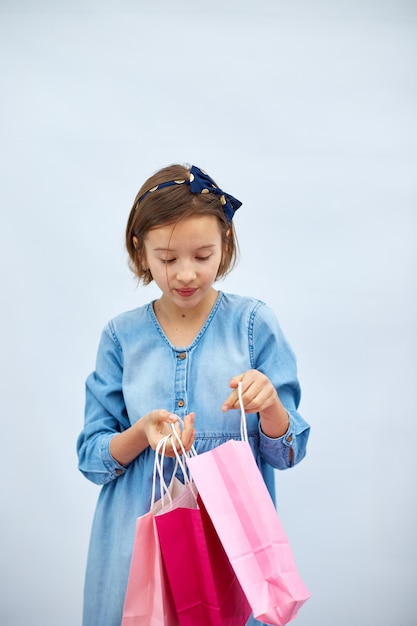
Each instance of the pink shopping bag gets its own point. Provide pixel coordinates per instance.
(204, 586)
(148, 600)
(243, 514)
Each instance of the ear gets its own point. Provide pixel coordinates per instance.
(139, 252)
(225, 246)
(139, 248)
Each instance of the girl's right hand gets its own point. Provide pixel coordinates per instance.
(156, 425)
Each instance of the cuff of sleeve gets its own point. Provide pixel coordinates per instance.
(286, 439)
(112, 466)
(280, 451)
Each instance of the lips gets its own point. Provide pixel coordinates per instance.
(186, 293)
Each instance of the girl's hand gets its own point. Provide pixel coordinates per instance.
(156, 425)
(259, 396)
(258, 393)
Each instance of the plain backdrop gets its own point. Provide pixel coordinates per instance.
(304, 110)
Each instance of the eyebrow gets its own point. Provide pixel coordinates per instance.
(209, 245)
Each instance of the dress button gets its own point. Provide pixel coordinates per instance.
(180, 402)
(182, 355)
(119, 472)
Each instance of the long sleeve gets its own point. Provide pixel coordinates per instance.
(272, 355)
(105, 413)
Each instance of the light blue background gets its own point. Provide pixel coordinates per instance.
(306, 111)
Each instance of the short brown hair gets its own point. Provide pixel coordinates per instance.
(168, 206)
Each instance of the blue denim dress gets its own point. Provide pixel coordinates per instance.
(138, 370)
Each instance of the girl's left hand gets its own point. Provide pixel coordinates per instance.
(258, 393)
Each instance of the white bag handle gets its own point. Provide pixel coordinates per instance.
(180, 461)
(158, 467)
(243, 424)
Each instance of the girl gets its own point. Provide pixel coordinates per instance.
(181, 355)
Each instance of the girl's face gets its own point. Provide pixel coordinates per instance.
(184, 259)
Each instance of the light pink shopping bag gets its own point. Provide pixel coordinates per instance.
(148, 600)
(244, 516)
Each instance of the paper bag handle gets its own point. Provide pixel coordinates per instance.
(243, 424)
(181, 463)
(158, 467)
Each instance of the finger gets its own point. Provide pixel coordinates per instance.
(249, 395)
(231, 402)
(189, 422)
(188, 433)
(234, 382)
(170, 417)
(161, 419)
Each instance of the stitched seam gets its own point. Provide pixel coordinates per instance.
(114, 336)
(250, 333)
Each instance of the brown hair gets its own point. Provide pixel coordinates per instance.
(168, 206)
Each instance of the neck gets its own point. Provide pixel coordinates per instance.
(166, 310)
(181, 325)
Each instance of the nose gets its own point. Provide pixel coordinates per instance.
(186, 273)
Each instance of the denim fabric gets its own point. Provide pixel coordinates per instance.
(138, 370)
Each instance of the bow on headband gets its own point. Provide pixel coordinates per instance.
(200, 182)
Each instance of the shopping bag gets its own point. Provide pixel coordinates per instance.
(148, 600)
(204, 587)
(244, 516)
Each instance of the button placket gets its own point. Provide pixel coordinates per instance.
(181, 383)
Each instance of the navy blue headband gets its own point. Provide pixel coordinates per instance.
(200, 182)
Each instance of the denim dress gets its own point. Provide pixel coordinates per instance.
(138, 370)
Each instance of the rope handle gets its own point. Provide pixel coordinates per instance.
(180, 460)
(243, 424)
(158, 469)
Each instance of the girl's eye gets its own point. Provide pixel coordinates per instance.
(203, 258)
(167, 260)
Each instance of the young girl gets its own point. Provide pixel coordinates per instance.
(181, 355)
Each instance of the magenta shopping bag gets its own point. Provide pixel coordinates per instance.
(244, 516)
(204, 586)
